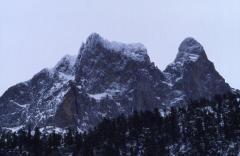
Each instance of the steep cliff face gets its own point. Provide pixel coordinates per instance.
(35, 101)
(106, 79)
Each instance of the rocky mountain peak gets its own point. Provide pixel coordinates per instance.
(93, 40)
(193, 74)
(66, 65)
(190, 50)
(95, 43)
(67, 60)
(101, 61)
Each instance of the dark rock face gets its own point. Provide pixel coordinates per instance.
(107, 79)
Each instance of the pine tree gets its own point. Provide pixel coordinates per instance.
(68, 138)
(36, 142)
(79, 141)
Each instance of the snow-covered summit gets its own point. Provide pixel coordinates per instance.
(190, 50)
(134, 51)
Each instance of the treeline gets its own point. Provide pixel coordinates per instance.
(201, 128)
(120, 136)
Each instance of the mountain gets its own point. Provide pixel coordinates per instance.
(193, 74)
(107, 79)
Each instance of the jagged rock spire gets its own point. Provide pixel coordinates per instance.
(93, 40)
(190, 49)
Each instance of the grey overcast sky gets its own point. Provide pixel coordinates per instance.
(36, 33)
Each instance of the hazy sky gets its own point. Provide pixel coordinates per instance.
(36, 33)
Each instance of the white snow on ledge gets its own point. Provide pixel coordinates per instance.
(186, 57)
(17, 104)
(14, 129)
(115, 90)
(66, 77)
(193, 57)
(99, 96)
(238, 99)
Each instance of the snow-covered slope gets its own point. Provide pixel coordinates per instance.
(106, 79)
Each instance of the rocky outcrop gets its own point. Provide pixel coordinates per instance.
(193, 74)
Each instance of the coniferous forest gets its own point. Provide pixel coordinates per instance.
(200, 128)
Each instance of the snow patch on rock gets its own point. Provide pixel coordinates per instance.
(14, 129)
(98, 96)
(208, 109)
(21, 106)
